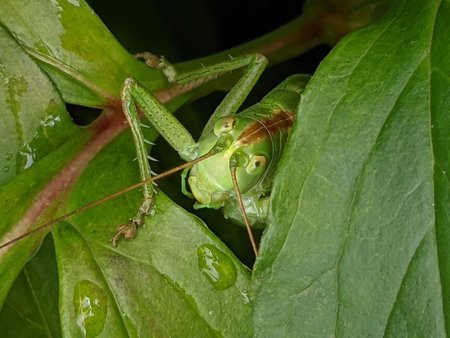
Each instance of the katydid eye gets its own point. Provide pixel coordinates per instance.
(224, 125)
(256, 164)
(239, 159)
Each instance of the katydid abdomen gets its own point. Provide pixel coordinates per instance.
(251, 141)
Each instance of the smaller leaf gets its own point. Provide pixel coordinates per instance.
(75, 48)
(34, 125)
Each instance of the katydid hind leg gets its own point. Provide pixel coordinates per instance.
(128, 230)
(253, 65)
(134, 97)
(162, 120)
(159, 62)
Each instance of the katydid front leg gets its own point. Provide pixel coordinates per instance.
(135, 97)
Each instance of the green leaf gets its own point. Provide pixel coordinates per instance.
(357, 241)
(33, 117)
(74, 47)
(32, 305)
(35, 126)
(153, 285)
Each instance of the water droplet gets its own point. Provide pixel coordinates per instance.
(216, 266)
(90, 302)
(76, 3)
(8, 156)
(245, 297)
(29, 154)
(50, 120)
(6, 168)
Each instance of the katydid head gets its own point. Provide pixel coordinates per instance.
(240, 142)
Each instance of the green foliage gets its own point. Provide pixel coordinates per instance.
(369, 207)
(356, 241)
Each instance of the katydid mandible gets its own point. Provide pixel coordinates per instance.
(244, 148)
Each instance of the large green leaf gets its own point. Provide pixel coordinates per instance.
(177, 277)
(359, 226)
(35, 127)
(155, 284)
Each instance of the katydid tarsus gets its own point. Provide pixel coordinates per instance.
(233, 163)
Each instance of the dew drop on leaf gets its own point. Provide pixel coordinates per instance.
(216, 266)
(245, 297)
(29, 155)
(90, 302)
(50, 121)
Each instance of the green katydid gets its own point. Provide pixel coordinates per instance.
(234, 161)
(245, 148)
